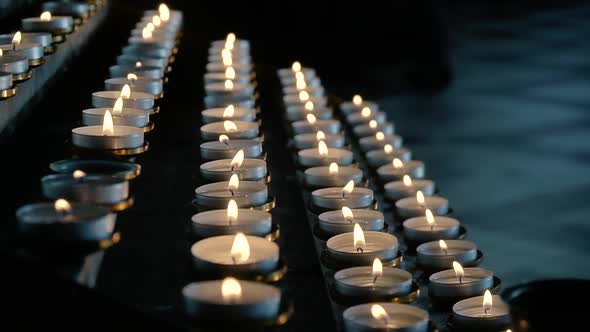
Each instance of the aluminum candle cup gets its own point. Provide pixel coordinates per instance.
(433, 257)
(320, 176)
(16, 64)
(218, 77)
(5, 82)
(372, 143)
(143, 71)
(32, 51)
(93, 189)
(221, 170)
(214, 254)
(293, 100)
(138, 50)
(330, 127)
(470, 314)
(356, 119)
(84, 222)
(333, 222)
(310, 140)
(397, 318)
(66, 8)
(41, 38)
(57, 25)
(243, 129)
(377, 245)
(227, 150)
(238, 114)
(138, 100)
(418, 229)
(348, 107)
(445, 284)
(217, 195)
(413, 168)
(376, 158)
(257, 301)
(409, 207)
(152, 42)
(333, 198)
(315, 91)
(92, 137)
(117, 169)
(298, 112)
(216, 222)
(364, 130)
(312, 157)
(150, 61)
(154, 87)
(359, 281)
(398, 189)
(128, 117)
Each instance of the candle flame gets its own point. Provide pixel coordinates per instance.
(45, 16)
(138, 64)
(238, 159)
(430, 218)
(322, 148)
(228, 85)
(150, 26)
(373, 124)
(299, 75)
(377, 270)
(303, 96)
(230, 289)
(78, 174)
(300, 84)
(309, 106)
(366, 112)
(230, 73)
(232, 211)
(357, 100)
(107, 124)
(229, 126)
(16, 39)
(1, 52)
(358, 237)
(348, 188)
(296, 66)
(347, 213)
(61, 205)
(388, 148)
(234, 182)
(420, 197)
(118, 107)
(132, 77)
(407, 181)
(458, 270)
(311, 119)
(320, 135)
(164, 12)
(223, 138)
(333, 168)
(229, 111)
(126, 91)
(240, 249)
(380, 136)
(378, 312)
(227, 60)
(397, 163)
(156, 20)
(231, 37)
(443, 245)
(488, 301)
(226, 53)
(146, 33)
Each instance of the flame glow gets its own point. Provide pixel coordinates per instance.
(488, 301)
(443, 245)
(373, 124)
(348, 188)
(230, 73)
(16, 39)
(377, 269)
(387, 148)
(303, 96)
(150, 26)
(309, 106)
(333, 169)
(458, 270)
(322, 148)
(229, 111)
(107, 124)
(126, 91)
(223, 138)
(234, 182)
(230, 289)
(118, 107)
(78, 174)
(430, 218)
(299, 75)
(380, 136)
(397, 163)
(132, 77)
(357, 100)
(229, 126)
(311, 119)
(45, 16)
(420, 197)
(164, 12)
(366, 112)
(156, 20)
(300, 84)
(358, 237)
(1, 52)
(61, 205)
(347, 213)
(238, 159)
(232, 211)
(378, 312)
(407, 180)
(146, 33)
(226, 53)
(296, 66)
(138, 64)
(228, 85)
(320, 135)
(240, 249)
(227, 60)
(231, 37)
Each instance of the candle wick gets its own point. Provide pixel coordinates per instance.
(359, 249)
(231, 192)
(225, 142)
(485, 311)
(432, 228)
(233, 258)
(375, 280)
(349, 220)
(445, 251)
(460, 279)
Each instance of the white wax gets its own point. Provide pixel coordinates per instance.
(128, 117)
(418, 229)
(470, 314)
(91, 137)
(138, 100)
(397, 189)
(221, 170)
(309, 140)
(359, 281)
(332, 198)
(377, 158)
(216, 222)
(409, 207)
(216, 115)
(413, 168)
(333, 222)
(377, 245)
(217, 194)
(474, 282)
(211, 131)
(228, 149)
(312, 157)
(372, 143)
(401, 318)
(320, 176)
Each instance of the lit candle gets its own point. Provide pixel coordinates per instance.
(15, 64)
(408, 187)
(460, 282)
(365, 116)
(300, 112)
(130, 59)
(137, 69)
(361, 248)
(107, 136)
(32, 51)
(440, 255)
(332, 176)
(242, 69)
(373, 281)
(147, 39)
(231, 221)
(291, 81)
(430, 227)
(343, 221)
(85, 188)
(311, 140)
(336, 197)
(232, 129)
(322, 156)
(301, 85)
(380, 157)
(228, 113)
(112, 168)
(148, 51)
(220, 299)
(246, 168)
(397, 169)
(121, 116)
(311, 125)
(415, 206)
(229, 90)
(131, 99)
(78, 10)
(63, 222)
(41, 38)
(218, 194)
(379, 140)
(237, 253)
(295, 68)
(356, 105)
(57, 25)
(229, 74)
(385, 317)
(482, 313)
(302, 97)
(225, 148)
(153, 86)
(6, 85)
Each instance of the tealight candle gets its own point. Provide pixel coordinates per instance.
(430, 228)
(139, 50)
(229, 89)
(299, 112)
(159, 34)
(482, 313)
(168, 17)
(235, 254)
(241, 49)
(32, 51)
(246, 168)
(121, 116)
(224, 148)
(408, 187)
(373, 281)
(231, 221)
(76, 9)
(385, 317)
(107, 136)
(57, 25)
(130, 60)
(361, 248)
(311, 140)
(148, 40)
(220, 67)
(332, 176)
(460, 282)
(376, 158)
(217, 77)
(16, 64)
(356, 105)
(245, 193)
(242, 102)
(218, 300)
(397, 169)
(65, 222)
(336, 197)
(238, 58)
(312, 125)
(41, 38)
(140, 71)
(372, 128)
(302, 98)
(232, 129)
(364, 116)
(337, 222)
(295, 68)
(228, 113)
(309, 81)
(131, 99)
(80, 187)
(5, 84)
(315, 91)
(322, 156)
(415, 206)
(439, 255)
(153, 86)
(379, 140)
